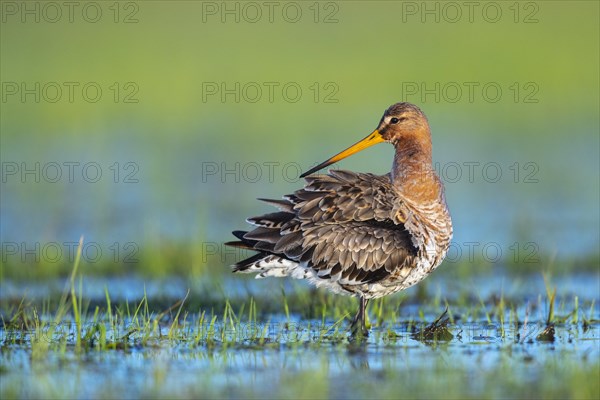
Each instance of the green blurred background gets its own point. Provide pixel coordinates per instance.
(181, 166)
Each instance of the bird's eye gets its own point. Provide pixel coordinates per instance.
(396, 120)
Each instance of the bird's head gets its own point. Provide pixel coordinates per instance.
(402, 124)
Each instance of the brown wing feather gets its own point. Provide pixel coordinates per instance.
(344, 224)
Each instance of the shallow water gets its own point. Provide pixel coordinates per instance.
(480, 361)
(279, 356)
(523, 287)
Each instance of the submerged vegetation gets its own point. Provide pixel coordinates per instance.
(251, 347)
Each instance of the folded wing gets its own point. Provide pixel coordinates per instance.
(347, 227)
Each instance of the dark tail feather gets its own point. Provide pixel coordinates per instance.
(248, 262)
(240, 245)
(239, 234)
(283, 205)
(244, 244)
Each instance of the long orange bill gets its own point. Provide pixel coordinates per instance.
(369, 141)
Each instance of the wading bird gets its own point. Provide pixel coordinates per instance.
(359, 234)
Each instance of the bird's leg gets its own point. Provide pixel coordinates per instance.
(358, 326)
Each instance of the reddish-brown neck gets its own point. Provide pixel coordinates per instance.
(412, 172)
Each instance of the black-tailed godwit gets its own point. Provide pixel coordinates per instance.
(359, 234)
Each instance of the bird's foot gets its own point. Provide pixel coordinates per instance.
(358, 328)
(359, 331)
